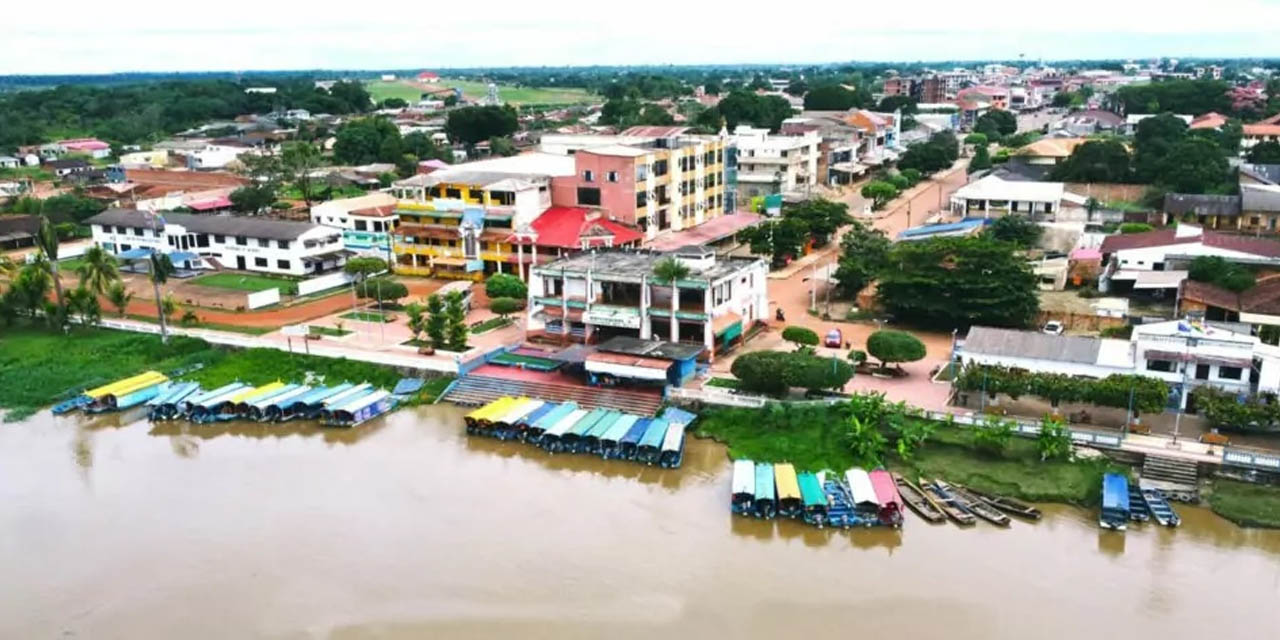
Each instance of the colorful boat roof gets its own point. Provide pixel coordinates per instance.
(620, 427)
(605, 424)
(340, 399)
(175, 392)
(584, 425)
(674, 437)
(323, 393)
(744, 477)
(487, 407)
(282, 400)
(255, 392)
(565, 422)
(860, 487)
(519, 412)
(128, 385)
(811, 490)
(764, 481)
(636, 431)
(1115, 492)
(201, 398)
(361, 402)
(784, 476)
(215, 400)
(654, 433)
(886, 489)
(555, 415)
(264, 397)
(534, 416)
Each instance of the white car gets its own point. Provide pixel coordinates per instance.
(1053, 328)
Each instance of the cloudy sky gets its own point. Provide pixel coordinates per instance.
(79, 36)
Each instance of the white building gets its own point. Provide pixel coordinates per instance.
(230, 242)
(596, 295)
(1132, 120)
(993, 195)
(770, 164)
(367, 222)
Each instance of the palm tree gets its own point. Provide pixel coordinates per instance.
(47, 241)
(98, 270)
(119, 296)
(84, 302)
(669, 271)
(161, 269)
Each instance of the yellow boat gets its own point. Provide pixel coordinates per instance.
(481, 415)
(790, 503)
(131, 383)
(125, 393)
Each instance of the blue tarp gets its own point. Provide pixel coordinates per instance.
(407, 386)
(678, 416)
(1115, 492)
(183, 256)
(134, 254)
(952, 228)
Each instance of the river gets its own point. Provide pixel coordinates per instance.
(404, 528)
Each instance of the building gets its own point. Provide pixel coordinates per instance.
(993, 195)
(367, 222)
(428, 77)
(65, 168)
(223, 242)
(91, 147)
(1212, 120)
(1047, 153)
(962, 228)
(1257, 133)
(18, 231)
(1158, 260)
(593, 296)
(9, 162)
(1259, 174)
(769, 164)
(155, 159)
(1259, 306)
(997, 97)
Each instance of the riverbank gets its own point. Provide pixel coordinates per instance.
(1248, 505)
(39, 367)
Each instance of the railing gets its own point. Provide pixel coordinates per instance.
(715, 396)
(1031, 429)
(1237, 457)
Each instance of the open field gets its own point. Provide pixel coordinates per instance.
(243, 282)
(381, 90)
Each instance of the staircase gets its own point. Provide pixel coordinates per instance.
(476, 390)
(1177, 479)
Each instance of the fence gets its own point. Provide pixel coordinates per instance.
(333, 280)
(711, 395)
(263, 298)
(1250, 459)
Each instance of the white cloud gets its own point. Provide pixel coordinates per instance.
(78, 36)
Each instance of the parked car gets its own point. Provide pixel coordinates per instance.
(1053, 328)
(834, 339)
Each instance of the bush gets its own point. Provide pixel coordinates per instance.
(382, 290)
(504, 285)
(994, 436)
(1123, 332)
(800, 336)
(1135, 227)
(889, 346)
(857, 356)
(775, 372)
(505, 306)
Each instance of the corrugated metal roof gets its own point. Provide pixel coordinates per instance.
(1032, 345)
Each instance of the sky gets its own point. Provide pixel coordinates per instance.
(83, 36)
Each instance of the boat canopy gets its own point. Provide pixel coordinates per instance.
(536, 415)
(519, 411)
(199, 399)
(602, 427)
(340, 399)
(486, 407)
(282, 400)
(619, 428)
(764, 481)
(267, 392)
(496, 409)
(175, 393)
(636, 432)
(357, 404)
(322, 393)
(860, 488)
(554, 416)
(128, 385)
(886, 490)
(1115, 492)
(584, 425)
(811, 490)
(785, 477)
(744, 478)
(674, 438)
(653, 435)
(564, 423)
(224, 397)
(255, 392)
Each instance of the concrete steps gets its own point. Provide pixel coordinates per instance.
(476, 390)
(1176, 479)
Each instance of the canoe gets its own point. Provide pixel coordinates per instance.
(975, 505)
(533, 432)
(947, 504)
(1115, 502)
(890, 512)
(744, 487)
(630, 442)
(611, 441)
(274, 409)
(1137, 506)
(814, 498)
(650, 447)
(918, 500)
(1161, 512)
(672, 446)
(790, 502)
(1006, 504)
(766, 502)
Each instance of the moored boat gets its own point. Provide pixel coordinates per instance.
(863, 495)
(275, 409)
(504, 428)
(551, 437)
(255, 407)
(127, 393)
(975, 505)
(263, 392)
(1115, 502)
(1161, 512)
(165, 406)
(611, 441)
(840, 512)
(591, 438)
(672, 446)
(360, 410)
(947, 504)
(311, 403)
(790, 502)
(521, 427)
(571, 440)
(815, 500)
(890, 512)
(918, 500)
(1006, 504)
(478, 421)
(314, 412)
(630, 442)
(191, 405)
(1137, 506)
(207, 407)
(650, 447)
(765, 504)
(744, 487)
(533, 432)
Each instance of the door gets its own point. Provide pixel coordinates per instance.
(240, 263)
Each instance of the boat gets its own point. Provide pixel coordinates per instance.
(918, 500)
(840, 512)
(480, 422)
(1008, 505)
(946, 503)
(591, 439)
(551, 437)
(650, 447)
(165, 405)
(1161, 512)
(187, 406)
(743, 497)
(520, 430)
(259, 394)
(1115, 502)
(360, 410)
(863, 495)
(127, 393)
(206, 408)
(237, 405)
(672, 446)
(766, 503)
(611, 441)
(630, 442)
(533, 432)
(572, 440)
(256, 407)
(790, 502)
(975, 505)
(274, 409)
(1137, 506)
(311, 403)
(814, 498)
(75, 403)
(339, 399)
(890, 512)
(502, 426)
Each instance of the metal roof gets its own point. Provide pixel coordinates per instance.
(650, 348)
(1032, 345)
(215, 224)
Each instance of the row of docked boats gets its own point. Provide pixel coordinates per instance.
(567, 428)
(342, 405)
(856, 498)
(1124, 502)
(937, 501)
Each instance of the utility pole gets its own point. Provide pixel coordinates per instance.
(1188, 342)
(831, 268)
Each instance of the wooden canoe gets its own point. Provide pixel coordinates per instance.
(1006, 504)
(919, 502)
(975, 505)
(947, 504)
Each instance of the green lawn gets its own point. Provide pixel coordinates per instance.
(489, 325)
(368, 316)
(69, 265)
(726, 383)
(1247, 505)
(38, 173)
(381, 90)
(243, 282)
(317, 330)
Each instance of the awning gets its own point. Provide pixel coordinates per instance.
(1159, 279)
(727, 326)
(849, 167)
(625, 366)
(183, 256)
(451, 262)
(134, 254)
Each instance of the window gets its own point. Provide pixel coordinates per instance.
(589, 175)
(1202, 372)
(642, 172)
(264, 243)
(611, 176)
(283, 244)
(589, 196)
(260, 262)
(361, 225)
(220, 239)
(642, 199)
(1160, 365)
(137, 231)
(660, 168)
(1230, 373)
(283, 264)
(453, 193)
(240, 240)
(202, 240)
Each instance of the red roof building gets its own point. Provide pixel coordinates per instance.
(428, 76)
(576, 228)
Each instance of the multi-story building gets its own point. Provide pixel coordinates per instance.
(592, 296)
(367, 222)
(218, 241)
(769, 164)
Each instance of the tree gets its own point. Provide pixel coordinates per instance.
(670, 271)
(745, 107)
(119, 296)
(1054, 441)
(763, 371)
(503, 147)
(994, 436)
(394, 103)
(367, 140)
(797, 88)
(351, 95)
(889, 104)
(1095, 161)
(437, 322)
(821, 217)
(505, 285)
(382, 290)
(889, 346)
(996, 124)
(981, 159)
(800, 336)
(958, 282)
(864, 251)
(422, 147)
(930, 157)
(169, 306)
(779, 239)
(47, 242)
(1194, 165)
(912, 175)
(831, 97)
(471, 125)
(910, 435)
(1135, 227)
(1264, 153)
(160, 270)
(299, 160)
(98, 270)
(417, 319)
(1153, 141)
(1016, 230)
(28, 290)
(83, 302)
(866, 442)
(456, 315)
(506, 306)
(879, 192)
(814, 373)
(253, 198)
(978, 139)
(362, 268)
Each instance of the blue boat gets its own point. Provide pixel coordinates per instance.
(533, 432)
(256, 408)
(522, 425)
(766, 502)
(611, 440)
(72, 404)
(672, 453)
(208, 407)
(840, 511)
(1160, 510)
(312, 401)
(630, 442)
(165, 406)
(650, 447)
(572, 441)
(187, 406)
(315, 410)
(276, 407)
(1115, 502)
(359, 410)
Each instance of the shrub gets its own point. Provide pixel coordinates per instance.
(774, 372)
(889, 346)
(504, 285)
(857, 356)
(382, 290)
(1135, 227)
(801, 336)
(994, 436)
(505, 306)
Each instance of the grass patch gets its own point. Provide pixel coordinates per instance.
(69, 265)
(244, 282)
(489, 325)
(521, 95)
(1248, 505)
(260, 366)
(727, 383)
(380, 90)
(36, 174)
(317, 330)
(434, 387)
(368, 316)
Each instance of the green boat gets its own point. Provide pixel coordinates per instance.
(815, 500)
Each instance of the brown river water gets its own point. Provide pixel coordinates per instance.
(404, 528)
